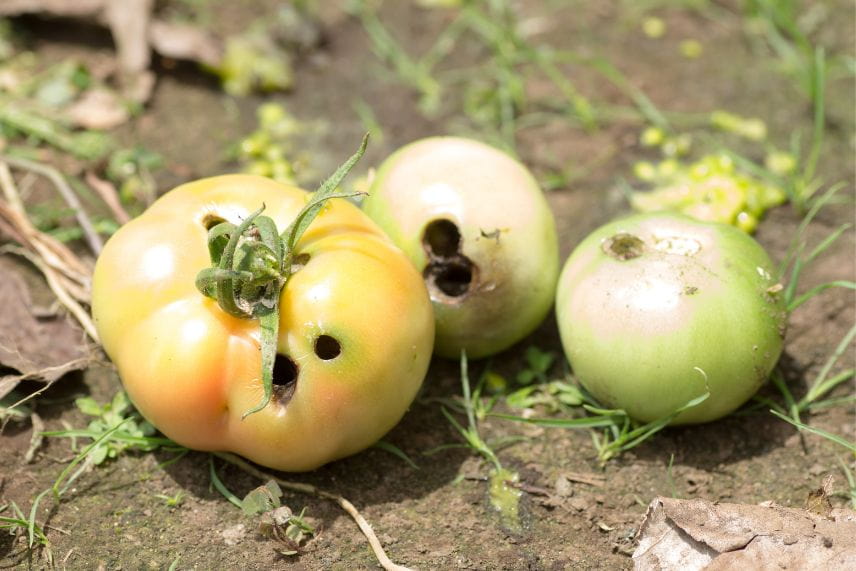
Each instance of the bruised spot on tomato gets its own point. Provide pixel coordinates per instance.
(300, 260)
(678, 245)
(210, 220)
(623, 246)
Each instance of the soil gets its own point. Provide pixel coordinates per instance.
(575, 513)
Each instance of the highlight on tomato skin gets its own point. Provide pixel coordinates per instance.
(355, 328)
(475, 223)
(654, 310)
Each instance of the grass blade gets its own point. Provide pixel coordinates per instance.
(851, 446)
(220, 486)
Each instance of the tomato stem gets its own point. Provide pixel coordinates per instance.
(252, 262)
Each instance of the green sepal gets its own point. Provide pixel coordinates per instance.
(226, 290)
(326, 191)
(208, 278)
(269, 236)
(269, 323)
(252, 263)
(218, 240)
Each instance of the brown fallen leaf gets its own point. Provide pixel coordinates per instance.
(181, 41)
(32, 348)
(98, 109)
(699, 534)
(817, 501)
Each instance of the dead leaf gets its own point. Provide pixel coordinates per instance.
(817, 501)
(180, 41)
(98, 109)
(698, 534)
(32, 348)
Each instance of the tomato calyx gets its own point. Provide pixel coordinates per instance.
(252, 262)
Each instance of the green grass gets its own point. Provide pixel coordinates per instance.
(491, 94)
(612, 430)
(504, 496)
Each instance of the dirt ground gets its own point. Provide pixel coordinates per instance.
(576, 514)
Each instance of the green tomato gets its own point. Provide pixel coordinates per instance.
(656, 309)
(475, 223)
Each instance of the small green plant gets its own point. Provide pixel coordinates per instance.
(127, 430)
(813, 398)
(173, 501)
(493, 96)
(273, 150)
(504, 495)
(795, 170)
(276, 521)
(553, 395)
(35, 531)
(18, 522)
(778, 24)
(612, 430)
(556, 396)
(132, 170)
(538, 364)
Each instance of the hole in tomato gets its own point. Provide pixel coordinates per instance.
(299, 261)
(327, 347)
(284, 378)
(623, 246)
(452, 277)
(442, 238)
(211, 220)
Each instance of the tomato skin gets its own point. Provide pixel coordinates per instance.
(692, 308)
(193, 370)
(505, 231)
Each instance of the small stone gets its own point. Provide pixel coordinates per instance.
(817, 469)
(442, 551)
(235, 534)
(564, 488)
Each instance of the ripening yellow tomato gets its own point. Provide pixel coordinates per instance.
(354, 341)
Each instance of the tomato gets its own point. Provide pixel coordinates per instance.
(354, 340)
(656, 309)
(475, 223)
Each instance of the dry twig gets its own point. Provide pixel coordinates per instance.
(52, 251)
(92, 238)
(37, 438)
(59, 290)
(108, 194)
(66, 274)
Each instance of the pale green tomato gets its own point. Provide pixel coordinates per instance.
(656, 309)
(475, 223)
